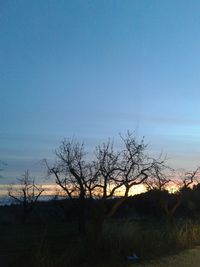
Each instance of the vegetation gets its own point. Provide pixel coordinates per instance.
(139, 227)
(26, 194)
(109, 172)
(98, 223)
(58, 245)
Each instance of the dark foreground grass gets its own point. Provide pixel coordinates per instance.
(59, 245)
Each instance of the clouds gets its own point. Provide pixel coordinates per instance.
(94, 69)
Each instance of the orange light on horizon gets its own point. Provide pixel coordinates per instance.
(55, 190)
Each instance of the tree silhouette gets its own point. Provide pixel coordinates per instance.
(26, 193)
(73, 175)
(110, 174)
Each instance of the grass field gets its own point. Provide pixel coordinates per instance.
(186, 258)
(59, 245)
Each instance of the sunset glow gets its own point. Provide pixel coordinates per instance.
(100, 133)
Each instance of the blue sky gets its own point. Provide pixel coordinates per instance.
(96, 68)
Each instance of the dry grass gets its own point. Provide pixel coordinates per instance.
(58, 246)
(187, 258)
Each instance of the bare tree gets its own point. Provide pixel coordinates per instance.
(73, 175)
(26, 193)
(122, 170)
(160, 177)
(189, 178)
(103, 177)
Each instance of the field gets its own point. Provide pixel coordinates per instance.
(187, 258)
(59, 245)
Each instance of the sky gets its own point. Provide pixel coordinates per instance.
(94, 69)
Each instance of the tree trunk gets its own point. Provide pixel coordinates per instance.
(99, 217)
(81, 216)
